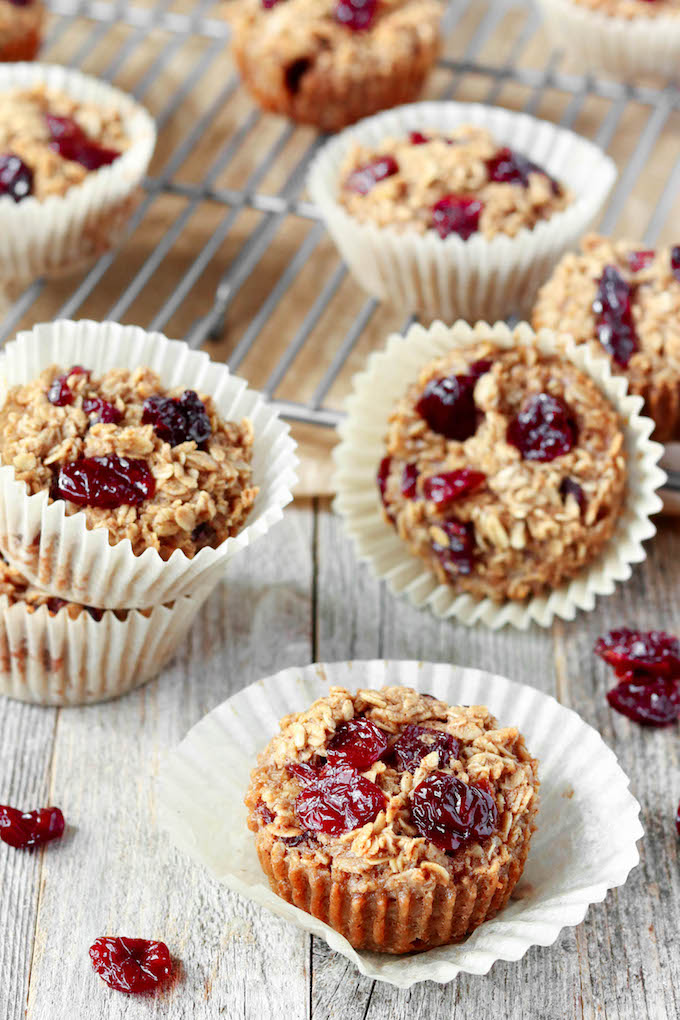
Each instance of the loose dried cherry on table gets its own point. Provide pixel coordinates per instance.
(60, 393)
(510, 167)
(338, 800)
(16, 177)
(24, 829)
(357, 743)
(456, 214)
(416, 742)
(135, 966)
(356, 15)
(545, 428)
(106, 412)
(448, 404)
(70, 141)
(178, 419)
(648, 702)
(458, 556)
(452, 485)
(654, 652)
(613, 312)
(364, 178)
(450, 813)
(106, 482)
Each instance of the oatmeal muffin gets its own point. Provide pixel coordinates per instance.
(158, 467)
(462, 182)
(504, 469)
(17, 590)
(21, 24)
(400, 821)
(624, 300)
(331, 62)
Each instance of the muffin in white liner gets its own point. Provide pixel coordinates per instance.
(587, 825)
(362, 434)
(648, 44)
(58, 659)
(450, 278)
(61, 232)
(58, 553)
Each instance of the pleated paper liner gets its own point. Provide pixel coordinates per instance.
(376, 392)
(59, 660)
(647, 45)
(587, 823)
(62, 232)
(451, 278)
(57, 552)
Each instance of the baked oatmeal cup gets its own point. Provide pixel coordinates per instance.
(330, 63)
(457, 209)
(627, 38)
(624, 300)
(54, 652)
(21, 29)
(73, 153)
(400, 821)
(127, 487)
(514, 474)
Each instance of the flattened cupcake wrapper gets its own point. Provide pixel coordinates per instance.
(587, 824)
(60, 233)
(362, 433)
(451, 278)
(626, 47)
(57, 552)
(57, 660)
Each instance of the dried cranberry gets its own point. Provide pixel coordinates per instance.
(449, 813)
(675, 261)
(178, 419)
(382, 476)
(105, 482)
(364, 178)
(16, 178)
(451, 485)
(106, 412)
(456, 214)
(304, 837)
(357, 15)
(60, 393)
(418, 138)
(131, 965)
(357, 743)
(339, 800)
(23, 829)
(416, 742)
(568, 487)
(510, 167)
(545, 428)
(303, 771)
(269, 3)
(458, 556)
(70, 141)
(265, 813)
(409, 481)
(638, 260)
(614, 316)
(653, 652)
(651, 703)
(448, 406)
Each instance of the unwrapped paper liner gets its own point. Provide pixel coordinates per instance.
(481, 277)
(58, 553)
(62, 232)
(584, 845)
(376, 392)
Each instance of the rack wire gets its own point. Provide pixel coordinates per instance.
(225, 250)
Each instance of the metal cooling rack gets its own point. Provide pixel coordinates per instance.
(275, 208)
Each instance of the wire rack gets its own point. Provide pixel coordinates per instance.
(225, 251)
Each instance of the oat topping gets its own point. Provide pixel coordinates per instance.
(527, 493)
(643, 334)
(461, 183)
(633, 8)
(464, 748)
(57, 138)
(93, 440)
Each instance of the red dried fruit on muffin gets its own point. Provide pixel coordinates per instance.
(545, 428)
(458, 556)
(675, 261)
(24, 829)
(654, 652)
(568, 487)
(356, 15)
(456, 214)
(409, 481)
(135, 966)
(70, 141)
(16, 177)
(510, 167)
(60, 393)
(105, 482)
(339, 800)
(364, 178)
(178, 420)
(451, 485)
(450, 813)
(106, 412)
(448, 404)
(416, 742)
(638, 260)
(614, 316)
(357, 743)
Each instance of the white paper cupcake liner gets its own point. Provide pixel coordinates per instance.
(57, 660)
(59, 233)
(587, 823)
(625, 47)
(58, 553)
(451, 278)
(376, 392)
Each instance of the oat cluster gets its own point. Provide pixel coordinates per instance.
(202, 497)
